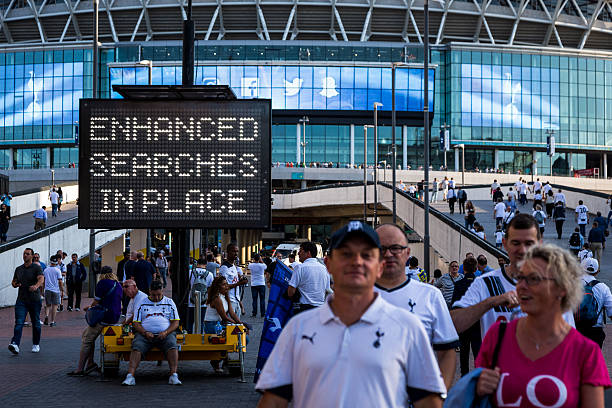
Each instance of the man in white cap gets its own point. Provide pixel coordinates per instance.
(603, 300)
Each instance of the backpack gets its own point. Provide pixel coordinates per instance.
(538, 217)
(575, 240)
(199, 284)
(587, 314)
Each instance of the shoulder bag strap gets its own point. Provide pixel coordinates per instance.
(110, 291)
(500, 338)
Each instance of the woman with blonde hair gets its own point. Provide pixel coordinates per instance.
(107, 304)
(540, 360)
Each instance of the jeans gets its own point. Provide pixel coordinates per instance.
(470, 337)
(582, 229)
(54, 210)
(461, 207)
(451, 205)
(434, 197)
(163, 272)
(74, 290)
(21, 309)
(259, 291)
(191, 319)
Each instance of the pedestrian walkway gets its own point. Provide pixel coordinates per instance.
(23, 224)
(484, 215)
(40, 379)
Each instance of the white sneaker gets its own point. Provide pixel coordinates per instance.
(13, 348)
(174, 380)
(36, 348)
(129, 380)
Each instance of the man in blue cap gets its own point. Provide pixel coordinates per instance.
(356, 349)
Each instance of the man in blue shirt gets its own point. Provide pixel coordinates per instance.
(40, 218)
(481, 266)
(596, 241)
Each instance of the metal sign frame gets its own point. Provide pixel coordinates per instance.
(124, 108)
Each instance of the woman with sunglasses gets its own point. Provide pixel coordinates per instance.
(542, 360)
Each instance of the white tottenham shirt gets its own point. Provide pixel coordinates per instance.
(490, 284)
(376, 362)
(312, 280)
(232, 275)
(428, 304)
(134, 303)
(156, 317)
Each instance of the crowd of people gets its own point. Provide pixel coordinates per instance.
(522, 322)
(369, 321)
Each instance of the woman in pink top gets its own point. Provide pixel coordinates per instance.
(543, 361)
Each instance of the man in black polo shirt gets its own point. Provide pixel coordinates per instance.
(28, 278)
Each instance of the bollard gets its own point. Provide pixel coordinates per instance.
(241, 356)
(197, 313)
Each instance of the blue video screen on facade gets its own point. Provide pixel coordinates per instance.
(299, 87)
(509, 96)
(40, 94)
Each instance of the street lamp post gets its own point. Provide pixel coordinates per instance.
(149, 64)
(426, 134)
(365, 172)
(376, 105)
(551, 147)
(462, 147)
(304, 120)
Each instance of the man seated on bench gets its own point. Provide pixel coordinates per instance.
(155, 322)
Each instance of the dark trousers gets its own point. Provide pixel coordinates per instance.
(259, 291)
(559, 225)
(499, 221)
(582, 229)
(21, 310)
(74, 290)
(451, 205)
(302, 307)
(470, 337)
(461, 207)
(523, 199)
(191, 319)
(594, 333)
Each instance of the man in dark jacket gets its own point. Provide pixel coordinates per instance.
(75, 275)
(143, 273)
(470, 337)
(121, 266)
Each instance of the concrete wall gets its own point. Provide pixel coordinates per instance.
(70, 240)
(31, 202)
(414, 176)
(61, 174)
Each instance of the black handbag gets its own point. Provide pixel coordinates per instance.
(95, 314)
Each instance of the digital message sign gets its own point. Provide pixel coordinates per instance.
(174, 164)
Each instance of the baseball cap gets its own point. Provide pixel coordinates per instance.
(351, 229)
(590, 265)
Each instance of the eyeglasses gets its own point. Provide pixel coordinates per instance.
(531, 280)
(395, 249)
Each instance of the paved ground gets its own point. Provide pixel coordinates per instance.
(41, 380)
(24, 224)
(484, 215)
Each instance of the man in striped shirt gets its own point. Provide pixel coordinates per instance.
(446, 283)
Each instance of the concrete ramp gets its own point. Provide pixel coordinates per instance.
(448, 238)
(65, 236)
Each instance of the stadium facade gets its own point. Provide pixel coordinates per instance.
(505, 75)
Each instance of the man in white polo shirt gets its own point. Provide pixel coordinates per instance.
(311, 279)
(357, 349)
(425, 301)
